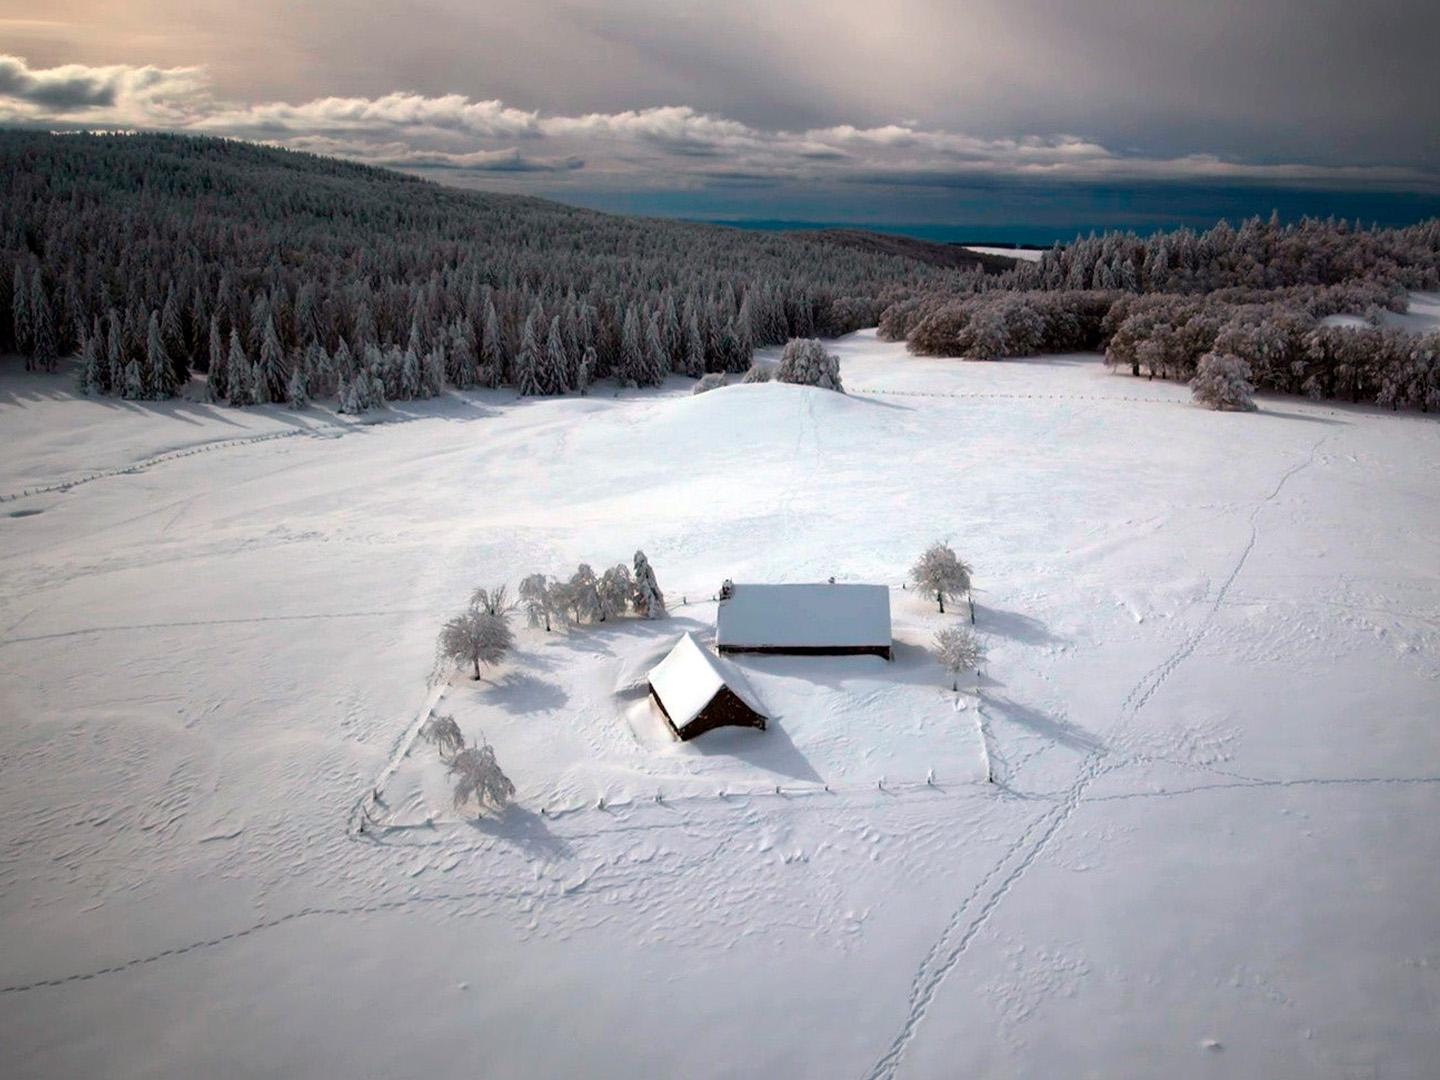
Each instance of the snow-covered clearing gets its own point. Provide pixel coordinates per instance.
(1211, 692)
(1023, 254)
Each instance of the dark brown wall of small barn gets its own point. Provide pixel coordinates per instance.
(725, 710)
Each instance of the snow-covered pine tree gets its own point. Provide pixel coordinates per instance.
(115, 350)
(20, 312)
(343, 360)
(657, 363)
(460, 357)
(410, 370)
(274, 373)
(217, 387)
(633, 371)
(297, 392)
(259, 392)
(527, 361)
(586, 371)
(648, 600)
(90, 377)
(744, 334)
(694, 344)
(237, 373)
(557, 363)
(432, 372)
(134, 381)
(492, 349)
(172, 332)
(671, 330)
(44, 347)
(159, 372)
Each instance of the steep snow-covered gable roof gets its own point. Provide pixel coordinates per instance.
(689, 678)
(804, 616)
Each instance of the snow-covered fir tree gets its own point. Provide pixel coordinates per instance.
(647, 599)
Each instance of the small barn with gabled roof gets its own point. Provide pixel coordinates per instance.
(697, 691)
(824, 619)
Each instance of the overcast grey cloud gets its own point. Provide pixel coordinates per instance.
(569, 96)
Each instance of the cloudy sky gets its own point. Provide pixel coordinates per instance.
(972, 114)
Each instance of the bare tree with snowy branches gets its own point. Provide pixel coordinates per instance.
(941, 574)
(1222, 382)
(478, 778)
(474, 637)
(958, 650)
(443, 733)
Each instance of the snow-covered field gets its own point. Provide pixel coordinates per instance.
(1023, 254)
(1211, 696)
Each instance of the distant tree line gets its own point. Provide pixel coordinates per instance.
(284, 277)
(1156, 306)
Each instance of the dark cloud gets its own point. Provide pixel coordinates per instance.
(58, 89)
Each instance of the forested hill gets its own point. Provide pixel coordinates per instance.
(953, 256)
(159, 255)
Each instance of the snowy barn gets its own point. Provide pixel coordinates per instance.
(806, 620)
(697, 691)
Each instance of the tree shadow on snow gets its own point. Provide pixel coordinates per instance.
(520, 693)
(525, 830)
(771, 750)
(598, 639)
(1043, 724)
(1015, 626)
(1308, 418)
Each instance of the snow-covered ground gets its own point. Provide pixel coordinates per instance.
(1211, 693)
(1023, 254)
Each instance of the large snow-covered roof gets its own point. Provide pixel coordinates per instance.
(804, 616)
(689, 678)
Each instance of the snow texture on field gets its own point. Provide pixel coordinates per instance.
(1210, 700)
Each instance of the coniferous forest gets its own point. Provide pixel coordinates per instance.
(282, 277)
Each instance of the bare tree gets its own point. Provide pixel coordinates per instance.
(957, 649)
(940, 573)
(444, 734)
(479, 778)
(494, 601)
(474, 637)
